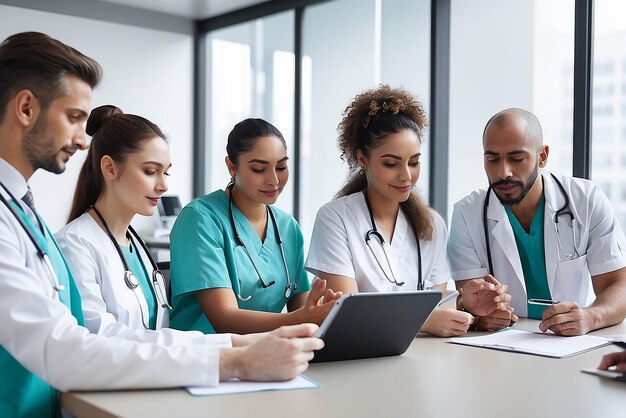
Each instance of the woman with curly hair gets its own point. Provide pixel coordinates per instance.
(378, 234)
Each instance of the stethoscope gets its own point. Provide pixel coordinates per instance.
(291, 286)
(54, 280)
(130, 279)
(564, 210)
(374, 232)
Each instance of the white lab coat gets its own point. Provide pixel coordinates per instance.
(41, 334)
(99, 275)
(338, 247)
(600, 242)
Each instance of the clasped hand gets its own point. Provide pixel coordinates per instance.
(487, 299)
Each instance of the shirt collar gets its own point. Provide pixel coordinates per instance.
(13, 180)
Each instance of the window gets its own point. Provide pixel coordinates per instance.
(373, 42)
(519, 54)
(609, 49)
(251, 74)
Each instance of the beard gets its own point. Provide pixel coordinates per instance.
(39, 148)
(525, 186)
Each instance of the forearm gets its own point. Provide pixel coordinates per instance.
(243, 321)
(609, 308)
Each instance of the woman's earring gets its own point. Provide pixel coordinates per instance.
(362, 170)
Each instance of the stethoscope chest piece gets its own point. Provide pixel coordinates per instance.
(289, 289)
(130, 280)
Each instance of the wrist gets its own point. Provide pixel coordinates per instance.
(592, 318)
(462, 307)
(231, 363)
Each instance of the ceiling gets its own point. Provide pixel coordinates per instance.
(193, 9)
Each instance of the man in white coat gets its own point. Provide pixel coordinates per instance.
(45, 98)
(547, 237)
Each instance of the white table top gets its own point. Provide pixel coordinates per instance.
(432, 379)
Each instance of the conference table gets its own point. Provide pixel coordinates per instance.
(432, 379)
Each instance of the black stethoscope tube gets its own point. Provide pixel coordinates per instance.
(374, 232)
(291, 286)
(564, 210)
(40, 251)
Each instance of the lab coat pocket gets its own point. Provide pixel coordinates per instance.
(573, 281)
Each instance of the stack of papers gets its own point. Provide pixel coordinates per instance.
(541, 344)
(237, 386)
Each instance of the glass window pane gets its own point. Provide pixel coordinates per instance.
(520, 54)
(251, 74)
(373, 42)
(608, 135)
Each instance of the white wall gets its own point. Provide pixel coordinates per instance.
(147, 72)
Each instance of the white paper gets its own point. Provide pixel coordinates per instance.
(238, 386)
(543, 344)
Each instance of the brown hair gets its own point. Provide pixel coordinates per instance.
(39, 63)
(115, 134)
(367, 121)
(245, 134)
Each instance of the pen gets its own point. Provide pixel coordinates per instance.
(448, 297)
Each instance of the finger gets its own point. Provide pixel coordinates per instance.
(490, 279)
(464, 319)
(474, 285)
(504, 297)
(550, 322)
(317, 291)
(502, 289)
(309, 344)
(608, 360)
(294, 331)
(567, 329)
(560, 308)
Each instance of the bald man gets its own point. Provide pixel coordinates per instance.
(547, 237)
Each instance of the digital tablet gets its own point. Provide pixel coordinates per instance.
(364, 325)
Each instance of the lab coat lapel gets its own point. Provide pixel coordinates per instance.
(553, 201)
(503, 240)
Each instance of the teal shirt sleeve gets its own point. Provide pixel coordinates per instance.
(197, 253)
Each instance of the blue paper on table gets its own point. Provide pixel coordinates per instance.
(234, 386)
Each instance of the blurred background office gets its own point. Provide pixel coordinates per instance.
(196, 67)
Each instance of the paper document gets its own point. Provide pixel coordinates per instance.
(542, 344)
(237, 386)
(619, 339)
(609, 374)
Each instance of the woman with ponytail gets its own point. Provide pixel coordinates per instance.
(124, 175)
(237, 260)
(378, 234)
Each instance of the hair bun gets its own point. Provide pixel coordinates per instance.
(100, 115)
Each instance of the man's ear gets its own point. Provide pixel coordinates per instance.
(109, 168)
(543, 156)
(27, 109)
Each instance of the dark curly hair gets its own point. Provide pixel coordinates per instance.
(367, 121)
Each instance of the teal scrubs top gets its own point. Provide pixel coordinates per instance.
(23, 394)
(206, 255)
(139, 270)
(531, 248)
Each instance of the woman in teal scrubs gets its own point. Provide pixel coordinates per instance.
(236, 261)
